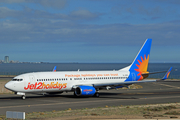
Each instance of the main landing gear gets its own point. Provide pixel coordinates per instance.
(96, 94)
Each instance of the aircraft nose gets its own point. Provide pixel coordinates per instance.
(8, 85)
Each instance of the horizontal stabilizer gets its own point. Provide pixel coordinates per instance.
(153, 72)
(156, 72)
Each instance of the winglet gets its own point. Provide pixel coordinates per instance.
(54, 70)
(167, 74)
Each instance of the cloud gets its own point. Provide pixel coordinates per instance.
(57, 4)
(167, 1)
(35, 26)
(13, 1)
(6, 12)
(83, 14)
(32, 25)
(54, 29)
(147, 10)
(150, 12)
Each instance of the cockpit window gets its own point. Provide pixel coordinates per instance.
(17, 79)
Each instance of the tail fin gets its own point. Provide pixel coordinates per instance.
(140, 63)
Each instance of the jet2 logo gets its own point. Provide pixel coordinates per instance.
(40, 85)
(88, 90)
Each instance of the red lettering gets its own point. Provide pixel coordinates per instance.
(31, 86)
(48, 86)
(39, 85)
(60, 86)
(55, 85)
(27, 86)
(35, 85)
(64, 85)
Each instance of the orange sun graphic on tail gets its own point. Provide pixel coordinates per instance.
(142, 66)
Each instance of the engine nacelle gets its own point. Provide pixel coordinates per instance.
(85, 91)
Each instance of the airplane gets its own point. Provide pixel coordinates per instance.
(84, 83)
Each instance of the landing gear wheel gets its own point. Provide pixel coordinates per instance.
(23, 97)
(96, 95)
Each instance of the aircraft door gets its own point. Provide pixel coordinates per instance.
(26, 80)
(32, 79)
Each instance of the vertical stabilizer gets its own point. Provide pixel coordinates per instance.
(140, 63)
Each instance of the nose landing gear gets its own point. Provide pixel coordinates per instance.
(23, 97)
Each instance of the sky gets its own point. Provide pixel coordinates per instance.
(89, 31)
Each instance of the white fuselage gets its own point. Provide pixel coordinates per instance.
(63, 81)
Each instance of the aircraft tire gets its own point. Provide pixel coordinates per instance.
(23, 97)
(96, 95)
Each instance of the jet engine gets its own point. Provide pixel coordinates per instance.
(85, 91)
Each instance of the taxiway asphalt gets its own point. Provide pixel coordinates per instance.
(151, 93)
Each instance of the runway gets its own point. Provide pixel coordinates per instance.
(151, 93)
